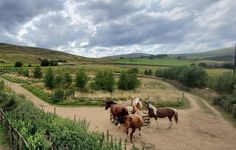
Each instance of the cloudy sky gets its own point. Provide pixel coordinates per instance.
(96, 28)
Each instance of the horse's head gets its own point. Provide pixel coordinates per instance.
(108, 104)
(135, 109)
(147, 104)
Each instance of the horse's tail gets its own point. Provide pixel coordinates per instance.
(176, 117)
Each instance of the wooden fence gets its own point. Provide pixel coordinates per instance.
(17, 142)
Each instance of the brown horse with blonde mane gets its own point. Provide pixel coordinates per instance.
(118, 111)
(133, 121)
(162, 113)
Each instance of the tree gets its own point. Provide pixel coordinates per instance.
(225, 83)
(18, 64)
(128, 81)
(67, 79)
(202, 64)
(49, 79)
(25, 72)
(37, 73)
(44, 62)
(81, 79)
(104, 80)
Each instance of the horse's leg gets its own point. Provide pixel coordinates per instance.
(140, 131)
(131, 134)
(127, 133)
(170, 118)
(156, 122)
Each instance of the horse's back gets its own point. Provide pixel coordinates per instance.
(165, 111)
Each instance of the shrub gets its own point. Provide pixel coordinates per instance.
(67, 79)
(202, 64)
(69, 93)
(18, 64)
(104, 80)
(25, 72)
(7, 101)
(37, 72)
(234, 111)
(1, 85)
(192, 76)
(53, 63)
(49, 79)
(148, 72)
(44, 62)
(133, 71)
(223, 83)
(58, 95)
(128, 81)
(81, 79)
(59, 80)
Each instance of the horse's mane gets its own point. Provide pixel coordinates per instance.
(111, 102)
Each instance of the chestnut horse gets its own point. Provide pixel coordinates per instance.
(162, 113)
(133, 121)
(118, 111)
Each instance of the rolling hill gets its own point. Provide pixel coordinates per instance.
(11, 53)
(130, 55)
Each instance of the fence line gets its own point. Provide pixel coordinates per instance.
(17, 141)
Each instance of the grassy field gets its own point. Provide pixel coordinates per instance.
(154, 61)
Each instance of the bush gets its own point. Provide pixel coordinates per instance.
(223, 83)
(7, 101)
(44, 62)
(25, 72)
(67, 79)
(2, 85)
(192, 76)
(128, 81)
(18, 64)
(53, 63)
(133, 71)
(49, 79)
(59, 80)
(148, 72)
(202, 64)
(104, 80)
(81, 79)
(234, 111)
(58, 95)
(37, 72)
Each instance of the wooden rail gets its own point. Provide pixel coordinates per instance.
(17, 141)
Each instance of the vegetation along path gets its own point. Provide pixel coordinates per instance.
(200, 127)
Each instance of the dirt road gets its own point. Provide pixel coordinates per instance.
(198, 128)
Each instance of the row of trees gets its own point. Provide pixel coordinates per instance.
(192, 76)
(37, 72)
(104, 80)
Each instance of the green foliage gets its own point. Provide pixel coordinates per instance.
(133, 71)
(49, 78)
(2, 85)
(37, 72)
(81, 79)
(18, 64)
(128, 81)
(234, 111)
(58, 95)
(202, 64)
(67, 79)
(104, 80)
(7, 101)
(148, 72)
(192, 76)
(44, 62)
(48, 131)
(223, 83)
(24, 72)
(226, 102)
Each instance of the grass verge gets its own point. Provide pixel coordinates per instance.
(3, 135)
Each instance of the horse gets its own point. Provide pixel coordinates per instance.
(135, 110)
(162, 113)
(137, 102)
(133, 121)
(118, 111)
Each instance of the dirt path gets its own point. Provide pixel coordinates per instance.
(198, 128)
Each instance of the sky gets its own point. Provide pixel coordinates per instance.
(97, 28)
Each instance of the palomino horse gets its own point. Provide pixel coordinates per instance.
(133, 121)
(137, 103)
(162, 113)
(118, 111)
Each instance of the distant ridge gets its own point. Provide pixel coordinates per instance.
(10, 53)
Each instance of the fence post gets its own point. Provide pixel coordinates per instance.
(54, 110)
(74, 118)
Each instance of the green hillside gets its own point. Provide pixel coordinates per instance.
(12, 53)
